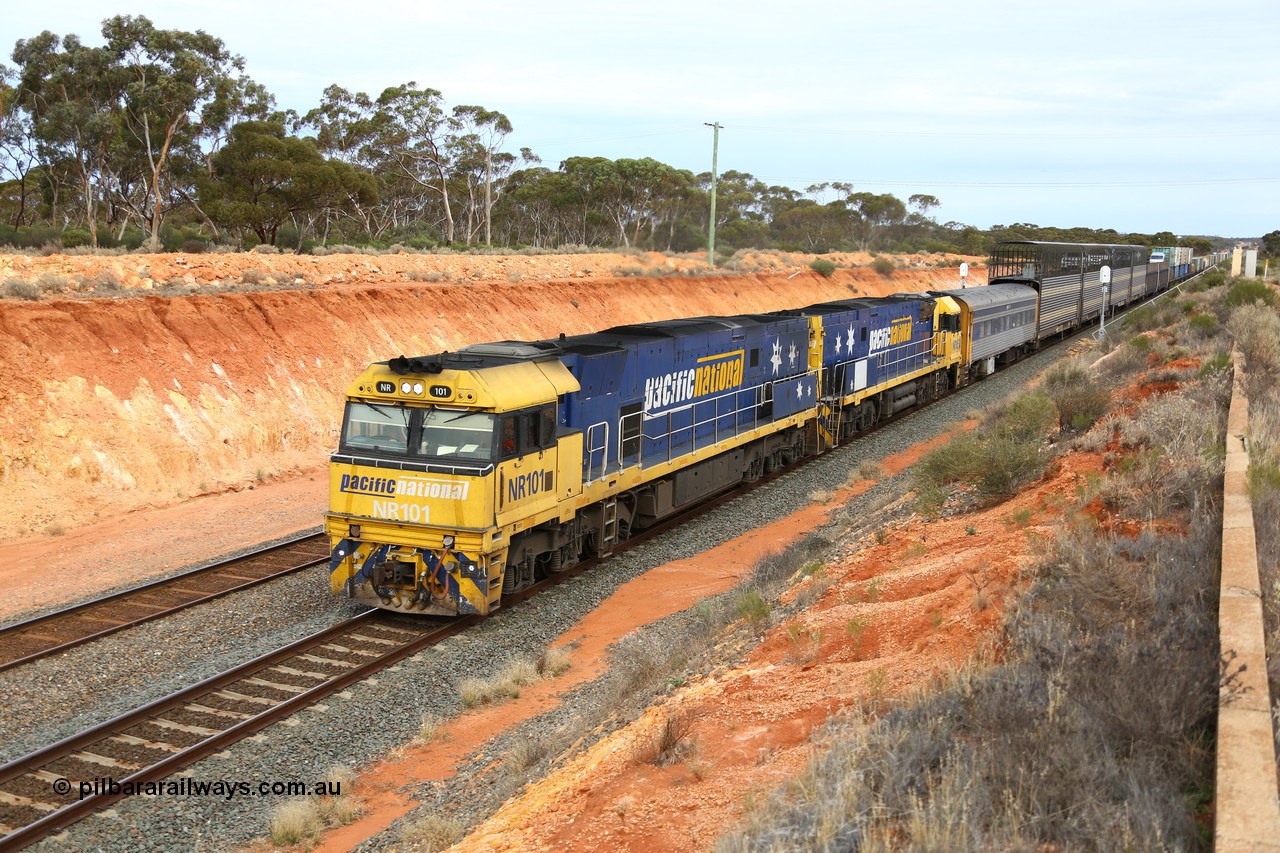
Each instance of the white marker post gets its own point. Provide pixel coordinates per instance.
(1104, 276)
(964, 275)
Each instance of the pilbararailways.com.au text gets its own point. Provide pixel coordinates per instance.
(187, 787)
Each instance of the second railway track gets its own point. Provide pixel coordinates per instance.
(41, 792)
(59, 630)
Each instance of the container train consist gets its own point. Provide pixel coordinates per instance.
(464, 476)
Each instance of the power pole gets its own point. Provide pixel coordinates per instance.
(711, 227)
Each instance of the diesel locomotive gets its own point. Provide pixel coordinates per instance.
(463, 476)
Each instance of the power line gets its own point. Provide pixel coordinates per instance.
(987, 134)
(1015, 184)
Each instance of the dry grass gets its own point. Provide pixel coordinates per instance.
(431, 833)
(518, 673)
(1264, 487)
(1093, 734)
(294, 821)
(301, 820)
(670, 743)
(430, 729)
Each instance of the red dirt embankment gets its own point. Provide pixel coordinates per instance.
(114, 404)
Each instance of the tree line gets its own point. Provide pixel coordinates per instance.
(159, 138)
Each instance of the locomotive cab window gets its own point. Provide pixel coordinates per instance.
(527, 432)
(376, 427)
(454, 434)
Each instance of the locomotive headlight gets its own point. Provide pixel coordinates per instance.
(448, 541)
(405, 388)
(417, 387)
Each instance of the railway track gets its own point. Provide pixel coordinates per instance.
(60, 630)
(41, 792)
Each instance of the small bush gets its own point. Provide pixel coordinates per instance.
(253, 275)
(1141, 343)
(1204, 324)
(1249, 291)
(1257, 335)
(671, 740)
(17, 288)
(884, 266)
(1216, 364)
(751, 607)
(1079, 401)
(53, 282)
(823, 267)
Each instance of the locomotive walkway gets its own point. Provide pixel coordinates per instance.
(1248, 803)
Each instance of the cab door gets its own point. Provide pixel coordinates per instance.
(527, 463)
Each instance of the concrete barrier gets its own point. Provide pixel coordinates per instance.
(1247, 800)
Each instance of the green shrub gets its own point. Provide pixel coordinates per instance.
(751, 607)
(1078, 400)
(996, 460)
(1249, 291)
(1029, 417)
(1219, 362)
(823, 267)
(1205, 324)
(884, 266)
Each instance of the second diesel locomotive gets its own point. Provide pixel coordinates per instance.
(463, 476)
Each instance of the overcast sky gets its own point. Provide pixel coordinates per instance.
(1139, 116)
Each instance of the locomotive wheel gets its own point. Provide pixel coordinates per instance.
(519, 576)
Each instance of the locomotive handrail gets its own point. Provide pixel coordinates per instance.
(592, 449)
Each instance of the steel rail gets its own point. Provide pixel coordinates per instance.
(72, 812)
(11, 635)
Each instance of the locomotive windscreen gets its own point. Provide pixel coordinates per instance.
(395, 430)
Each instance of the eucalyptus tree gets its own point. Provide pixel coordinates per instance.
(812, 227)
(741, 217)
(411, 142)
(479, 134)
(534, 207)
(18, 155)
(72, 93)
(872, 214)
(345, 130)
(179, 89)
(264, 178)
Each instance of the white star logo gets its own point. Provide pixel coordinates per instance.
(776, 361)
(839, 344)
(792, 355)
(850, 339)
(799, 391)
